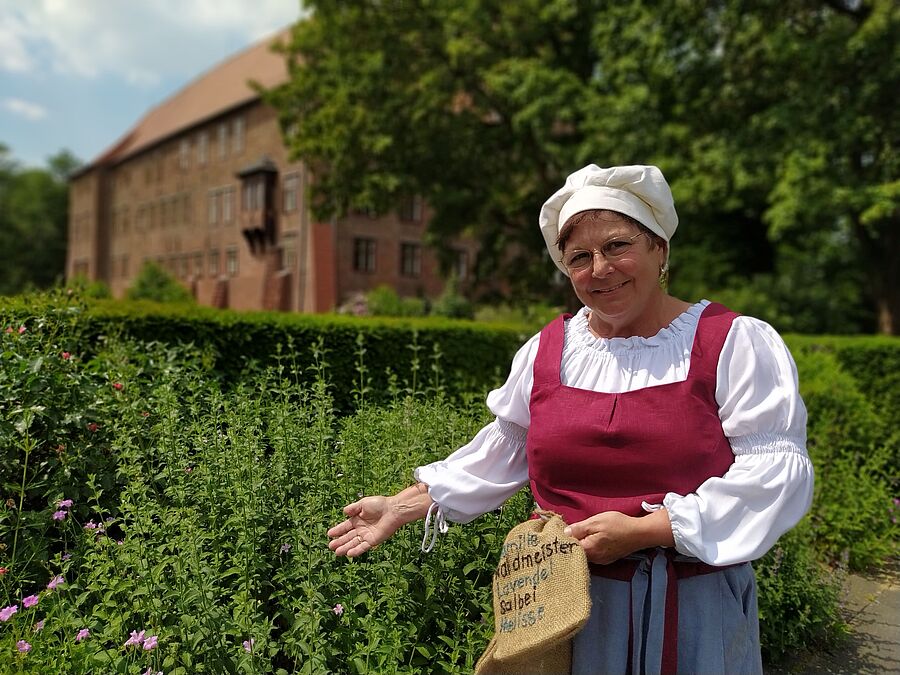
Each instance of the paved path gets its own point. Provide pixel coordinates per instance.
(872, 606)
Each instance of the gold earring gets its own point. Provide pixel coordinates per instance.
(664, 276)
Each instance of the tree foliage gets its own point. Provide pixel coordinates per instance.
(34, 207)
(773, 121)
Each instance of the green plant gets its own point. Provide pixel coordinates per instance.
(384, 301)
(451, 303)
(850, 446)
(798, 597)
(154, 283)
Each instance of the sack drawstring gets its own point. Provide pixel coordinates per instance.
(440, 525)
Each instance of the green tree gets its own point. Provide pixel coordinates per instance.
(154, 283)
(773, 121)
(34, 207)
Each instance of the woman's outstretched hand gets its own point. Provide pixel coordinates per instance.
(370, 521)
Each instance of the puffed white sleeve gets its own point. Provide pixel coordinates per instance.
(738, 517)
(490, 468)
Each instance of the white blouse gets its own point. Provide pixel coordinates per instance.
(731, 519)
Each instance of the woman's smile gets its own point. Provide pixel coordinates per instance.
(610, 289)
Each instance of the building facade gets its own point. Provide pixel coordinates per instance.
(204, 187)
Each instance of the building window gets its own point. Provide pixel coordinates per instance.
(410, 260)
(223, 140)
(213, 263)
(184, 154)
(202, 148)
(231, 262)
(237, 136)
(290, 189)
(254, 194)
(184, 266)
(411, 209)
(364, 255)
(198, 264)
(227, 205)
(212, 209)
(461, 264)
(186, 209)
(289, 252)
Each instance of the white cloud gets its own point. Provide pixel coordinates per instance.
(13, 53)
(140, 42)
(27, 109)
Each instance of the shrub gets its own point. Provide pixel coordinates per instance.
(464, 356)
(798, 597)
(92, 290)
(154, 283)
(452, 304)
(384, 301)
(848, 443)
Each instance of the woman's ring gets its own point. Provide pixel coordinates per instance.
(359, 539)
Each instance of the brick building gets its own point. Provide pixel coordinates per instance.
(203, 186)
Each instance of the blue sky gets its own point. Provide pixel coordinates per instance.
(77, 74)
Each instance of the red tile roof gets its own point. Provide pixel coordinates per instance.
(222, 88)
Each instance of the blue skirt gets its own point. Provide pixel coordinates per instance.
(718, 623)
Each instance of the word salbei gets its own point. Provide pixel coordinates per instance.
(526, 563)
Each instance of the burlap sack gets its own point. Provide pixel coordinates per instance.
(541, 600)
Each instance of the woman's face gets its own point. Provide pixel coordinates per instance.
(617, 290)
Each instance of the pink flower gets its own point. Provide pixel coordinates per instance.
(285, 548)
(149, 671)
(66, 356)
(9, 329)
(59, 515)
(248, 645)
(3, 570)
(39, 626)
(7, 612)
(23, 646)
(91, 525)
(64, 504)
(67, 556)
(83, 633)
(93, 426)
(30, 601)
(56, 581)
(117, 386)
(22, 329)
(135, 639)
(150, 642)
(338, 609)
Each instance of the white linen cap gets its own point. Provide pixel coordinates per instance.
(638, 191)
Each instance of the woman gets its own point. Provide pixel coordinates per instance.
(670, 436)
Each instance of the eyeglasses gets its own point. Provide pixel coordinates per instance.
(578, 259)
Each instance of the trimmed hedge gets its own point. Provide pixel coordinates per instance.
(367, 357)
